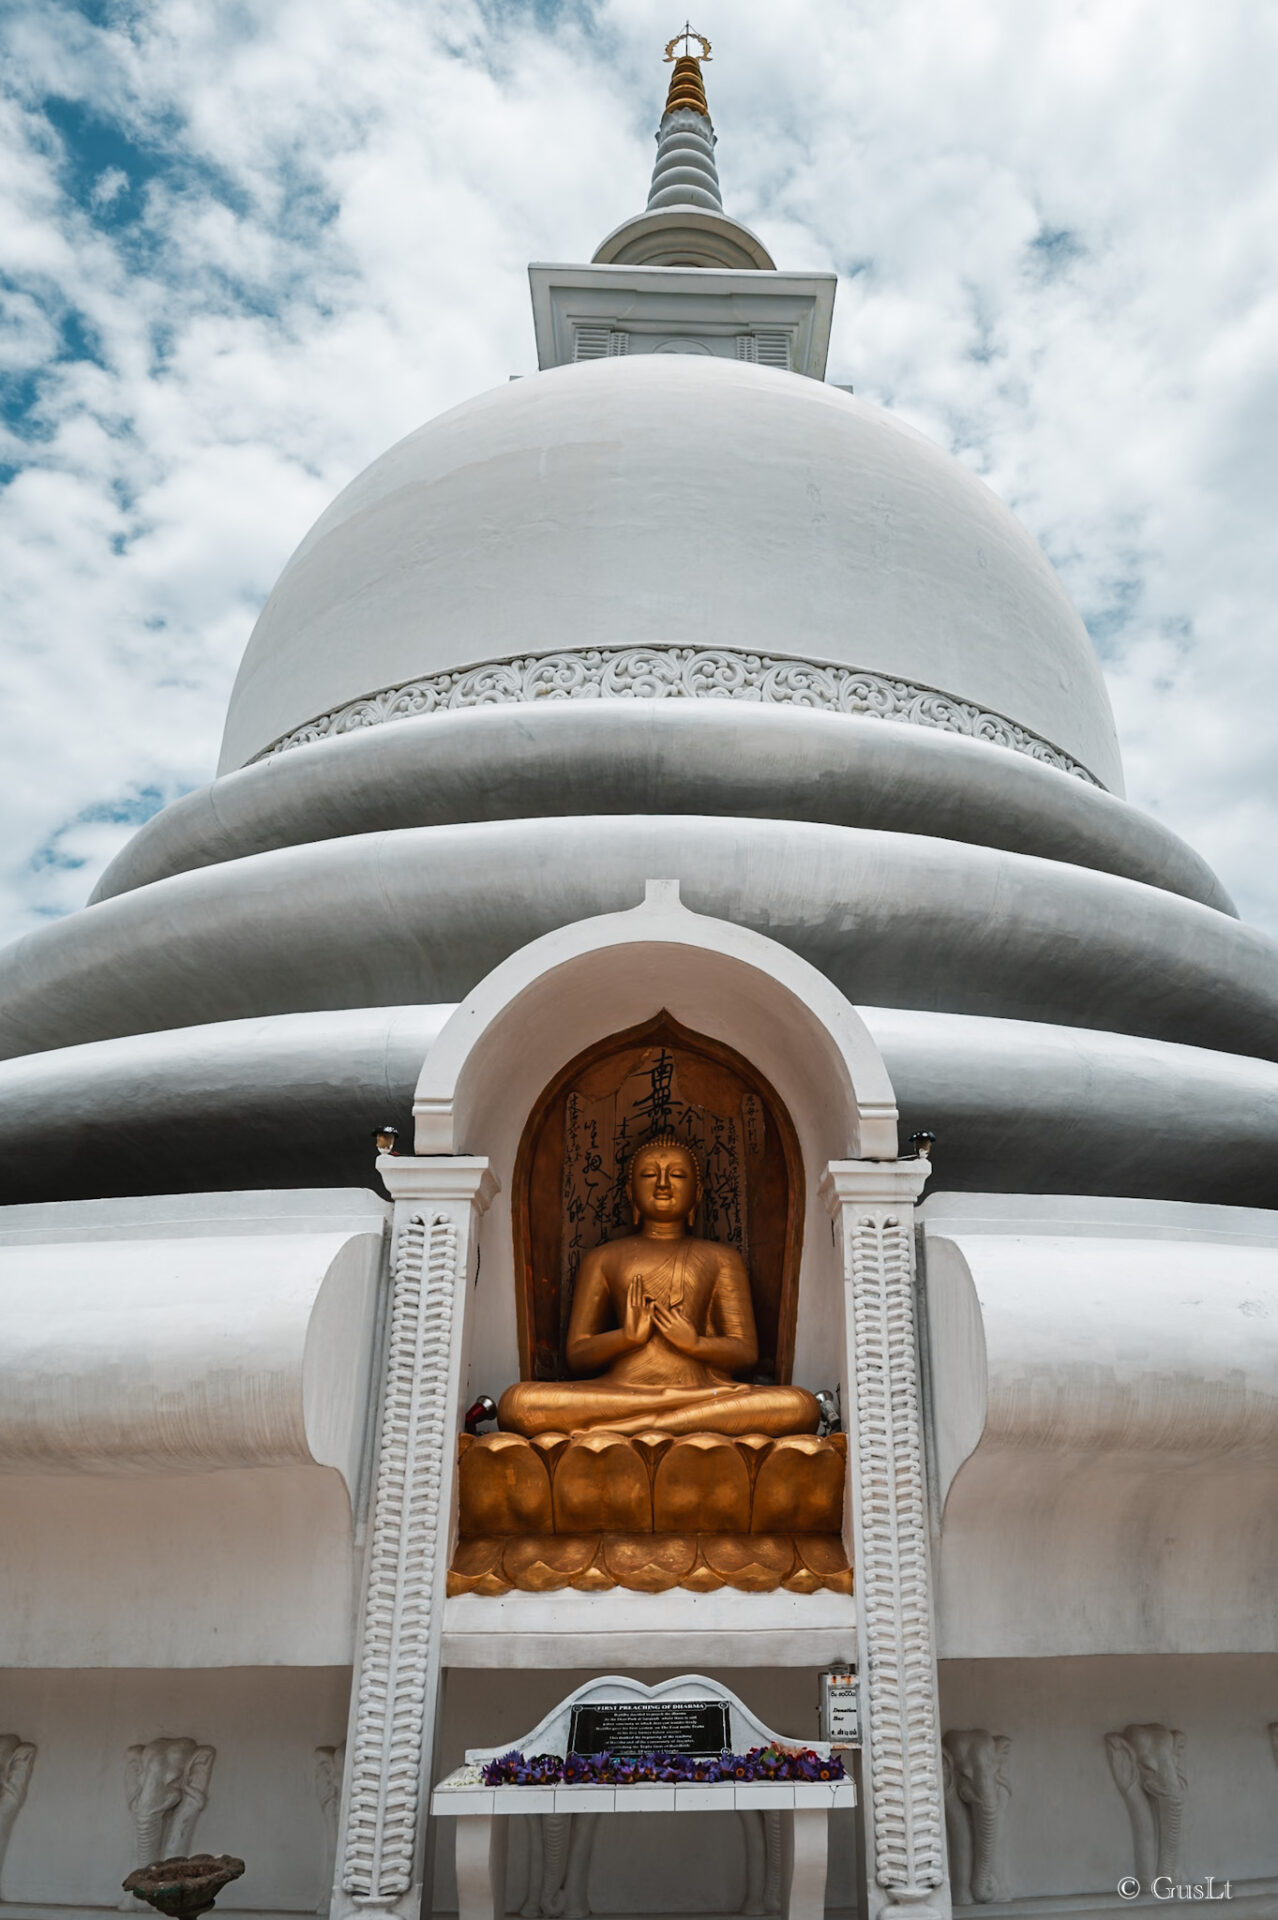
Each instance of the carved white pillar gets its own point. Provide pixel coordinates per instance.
(382, 1836)
(872, 1204)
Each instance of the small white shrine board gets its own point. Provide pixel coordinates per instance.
(667, 1717)
(690, 1715)
(684, 1715)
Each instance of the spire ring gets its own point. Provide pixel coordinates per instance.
(689, 33)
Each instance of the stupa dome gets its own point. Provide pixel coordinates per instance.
(672, 500)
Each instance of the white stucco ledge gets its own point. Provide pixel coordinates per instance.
(598, 973)
(696, 756)
(1030, 1105)
(591, 1630)
(1105, 1425)
(421, 914)
(190, 1338)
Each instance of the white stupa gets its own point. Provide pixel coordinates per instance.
(669, 679)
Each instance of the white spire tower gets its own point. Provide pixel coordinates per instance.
(685, 173)
(683, 276)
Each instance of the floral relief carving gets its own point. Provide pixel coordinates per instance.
(384, 1814)
(674, 673)
(893, 1572)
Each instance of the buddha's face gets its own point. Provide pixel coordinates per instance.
(663, 1183)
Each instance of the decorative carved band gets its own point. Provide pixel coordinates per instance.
(893, 1575)
(680, 673)
(384, 1813)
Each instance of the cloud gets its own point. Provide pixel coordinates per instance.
(245, 249)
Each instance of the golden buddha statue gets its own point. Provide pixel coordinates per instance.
(662, 1321)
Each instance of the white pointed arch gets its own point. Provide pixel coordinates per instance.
(598, 976)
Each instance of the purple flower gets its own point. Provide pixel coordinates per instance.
(579, 1769)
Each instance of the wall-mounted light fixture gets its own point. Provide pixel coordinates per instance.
(480, 1413)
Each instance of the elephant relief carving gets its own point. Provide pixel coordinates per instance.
(17, 1757)
(560, 1846)
(167, 1785)
(762, 1833)
(330, 1765)
(974, 1766)
(1147, 1763)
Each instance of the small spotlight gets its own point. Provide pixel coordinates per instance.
(480, 1413)
(923, 1144)
(830, 1402)
(386, 1138)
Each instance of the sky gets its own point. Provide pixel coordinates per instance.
(245, 247)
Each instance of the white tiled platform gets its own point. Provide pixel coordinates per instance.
(694, 1797)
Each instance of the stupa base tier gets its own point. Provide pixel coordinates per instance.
(650, 1563)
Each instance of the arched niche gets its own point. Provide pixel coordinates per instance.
(591, 973)
(569, 1188)
(576, 986)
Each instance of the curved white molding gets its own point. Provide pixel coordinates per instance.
(106, 1362)
(728, 757)
(1055, 1108)
(679, 673)
(1092, 1360)
(420, 914)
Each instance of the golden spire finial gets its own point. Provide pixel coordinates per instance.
(686, 89)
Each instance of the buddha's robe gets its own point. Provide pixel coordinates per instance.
(657, 1386)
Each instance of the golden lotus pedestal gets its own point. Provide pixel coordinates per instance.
(649, 1512)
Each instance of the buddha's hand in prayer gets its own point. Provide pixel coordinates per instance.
(637, 1325)
(677, 1329)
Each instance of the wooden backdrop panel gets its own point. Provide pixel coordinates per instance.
(569, 1193)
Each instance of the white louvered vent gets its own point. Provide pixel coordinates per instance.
(765, 349)
(598, 343)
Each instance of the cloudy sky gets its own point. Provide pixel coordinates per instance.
(246, 246)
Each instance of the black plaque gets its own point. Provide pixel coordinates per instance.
(697, 1728)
